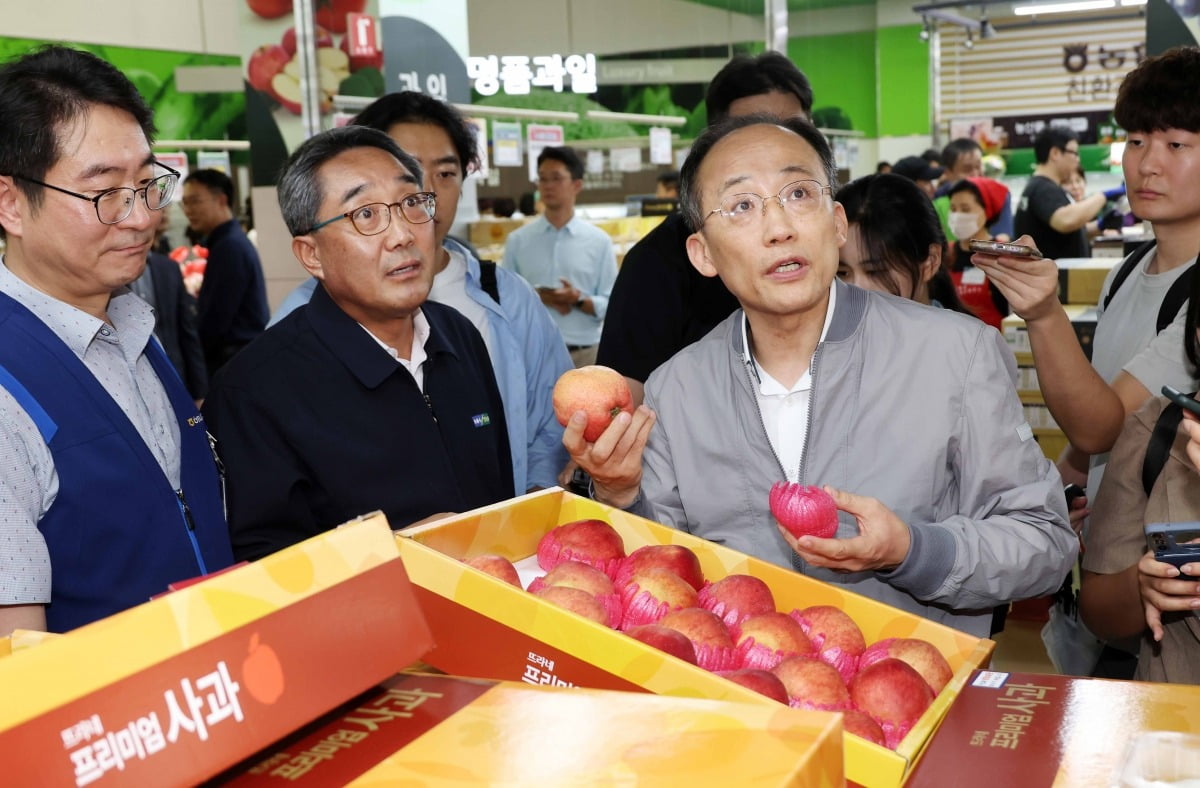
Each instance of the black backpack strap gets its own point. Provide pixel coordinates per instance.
(1159, 447)
(1127, 267)
(1175, 298)
(487, 279)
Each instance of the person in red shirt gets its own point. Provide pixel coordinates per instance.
(975, 204)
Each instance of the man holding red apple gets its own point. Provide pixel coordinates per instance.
(907, 414)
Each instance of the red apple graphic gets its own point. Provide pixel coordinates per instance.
(262, 675)
(331, 14)
(270, 9)
(267, 61)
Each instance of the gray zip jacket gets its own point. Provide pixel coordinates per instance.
(912, 405)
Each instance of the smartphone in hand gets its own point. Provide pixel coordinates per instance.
(1172, 543)
(998, 248)
(1184, 401)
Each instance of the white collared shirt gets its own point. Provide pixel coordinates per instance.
(415, 362)
(785, 411)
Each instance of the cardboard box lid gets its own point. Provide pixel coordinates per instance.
(1008, 729)
(417, 729)
(179, 688)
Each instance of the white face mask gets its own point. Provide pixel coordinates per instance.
(964, 225)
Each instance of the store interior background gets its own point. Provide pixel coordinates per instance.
(866, 59)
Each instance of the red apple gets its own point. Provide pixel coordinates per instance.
(267, 61)
(599, 392)
(921, 655)
(576, 574)
(861, 725)
(665, 639)
(764, 682)
(593, 542)
(804, 510)
(270, 9)
(673, 557)
(838, 640)
(579, 602)
(652, 593)
(331, 14)
(765, 640)
(321, 38)
(374, 60)
(811, 684)
(893, 694)
(709, 636)
(497, 566)
(737, 597)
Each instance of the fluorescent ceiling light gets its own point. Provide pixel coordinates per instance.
(1132, 2)
(1060, 8)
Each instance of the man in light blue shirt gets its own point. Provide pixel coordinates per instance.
(569, 261)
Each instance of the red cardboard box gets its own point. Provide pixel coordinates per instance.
(1030, 730)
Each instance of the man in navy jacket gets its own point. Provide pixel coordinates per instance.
(368, 397)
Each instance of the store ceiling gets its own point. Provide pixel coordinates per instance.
(756, 6)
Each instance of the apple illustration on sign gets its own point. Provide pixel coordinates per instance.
(598, 391)
(262, 674)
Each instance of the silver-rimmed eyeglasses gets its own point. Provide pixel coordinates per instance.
(113, 206)
(797, 198)
(375, 217)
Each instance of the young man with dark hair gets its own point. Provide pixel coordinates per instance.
(1139, 341)
(232, 304)
(1046, 212)
(947, 517)
(370, 396)
(570, 262)
(660, 304)
(108, 490)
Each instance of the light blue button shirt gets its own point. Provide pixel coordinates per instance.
(579, 252)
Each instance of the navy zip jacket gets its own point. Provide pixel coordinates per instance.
(117, 532)
(317, 424)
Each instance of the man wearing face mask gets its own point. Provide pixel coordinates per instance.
(975, 205)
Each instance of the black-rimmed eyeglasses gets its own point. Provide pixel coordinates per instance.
(375, 217)
(113, 206)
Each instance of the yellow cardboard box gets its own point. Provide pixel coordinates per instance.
(1081, 279)
(485, 627)
(418, 729)
(177, 689)
(488, 232)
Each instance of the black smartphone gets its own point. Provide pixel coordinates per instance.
(1171, 543)
(1182, 400)
(1073, 491)
(999, 248)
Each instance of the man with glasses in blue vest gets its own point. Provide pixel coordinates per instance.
(369, 396)
(108, 489)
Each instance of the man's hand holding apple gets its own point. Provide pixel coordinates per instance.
(1162, 590)
(614, 460)
(882, 543)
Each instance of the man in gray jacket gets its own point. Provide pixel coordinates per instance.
(907, 413)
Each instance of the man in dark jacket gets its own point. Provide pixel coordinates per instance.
(369, 396)
(233, 298)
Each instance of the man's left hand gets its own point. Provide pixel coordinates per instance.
(882, 542)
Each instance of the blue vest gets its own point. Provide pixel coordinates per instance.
(117, 532)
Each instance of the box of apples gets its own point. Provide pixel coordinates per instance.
(551, 588)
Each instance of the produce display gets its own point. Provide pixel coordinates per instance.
(810, 658)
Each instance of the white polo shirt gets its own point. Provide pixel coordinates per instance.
(785, 411)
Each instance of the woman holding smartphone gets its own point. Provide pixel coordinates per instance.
(1126, 593)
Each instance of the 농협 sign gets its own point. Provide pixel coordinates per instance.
(514, 75)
